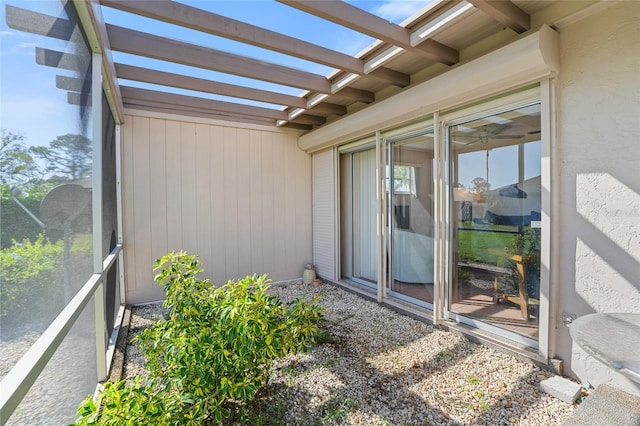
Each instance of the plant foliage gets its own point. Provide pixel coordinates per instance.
(214, 347)
(31, 277)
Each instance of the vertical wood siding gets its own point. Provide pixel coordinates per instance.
(240, 198)
(324, 214)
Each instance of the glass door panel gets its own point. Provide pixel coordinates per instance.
(358, 216)
(364, 215)
(410, 184)
(496, 209)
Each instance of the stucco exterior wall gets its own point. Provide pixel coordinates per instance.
(237, 196)
(599, 170)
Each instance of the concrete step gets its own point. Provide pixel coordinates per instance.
(607, 406)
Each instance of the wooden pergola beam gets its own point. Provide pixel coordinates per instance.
(197, 112)
(134, 93)
(152, 46)
(505, 12)
(70, 83)
(62, 60)
(357, 19)
(211, 23)
(41, 24)
(325, 108)
(130, 72)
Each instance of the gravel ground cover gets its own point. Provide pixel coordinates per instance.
(378, 367)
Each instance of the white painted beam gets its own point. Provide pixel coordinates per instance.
(357, 19)
(211, 23)
(505, 12)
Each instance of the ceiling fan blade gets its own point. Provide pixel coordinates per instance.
(506, 137)
(465, 143)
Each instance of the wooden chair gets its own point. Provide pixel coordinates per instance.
(522, 299)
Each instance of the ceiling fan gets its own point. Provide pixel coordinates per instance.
(484, 135)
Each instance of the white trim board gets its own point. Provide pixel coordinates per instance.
(209, 121)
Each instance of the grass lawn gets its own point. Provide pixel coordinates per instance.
(482, 245)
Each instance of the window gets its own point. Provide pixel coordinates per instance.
(496, 210)
(52, 232)
(404, 179)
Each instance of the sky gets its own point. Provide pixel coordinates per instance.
(34, 107)
(503, 165)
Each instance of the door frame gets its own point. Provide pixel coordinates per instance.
(542, 94)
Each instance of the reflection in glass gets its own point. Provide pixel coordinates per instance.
(67, 379)
(46, 190)
(496, 212)
(411, 220)
(358, 218)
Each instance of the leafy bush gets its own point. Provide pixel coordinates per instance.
(16, 223)
(214, 347)
(31, 276)
(527, 245)
(32, 289)
(126, 404)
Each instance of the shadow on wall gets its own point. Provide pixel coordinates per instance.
(604, 234)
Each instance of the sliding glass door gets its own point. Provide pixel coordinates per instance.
(451, 221)
(410, 244)
(495, 220)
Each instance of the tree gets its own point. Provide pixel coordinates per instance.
(480, 188)
(67, 157)
(16, 163)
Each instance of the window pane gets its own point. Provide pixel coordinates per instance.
(411, 218)
(45, 176)
(496, 220)
(66, 381)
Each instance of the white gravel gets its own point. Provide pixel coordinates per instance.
(384, 368)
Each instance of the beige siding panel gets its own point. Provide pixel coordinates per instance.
(268, 196)
(173, 184)
(289, 216)
(188, 187)
(203, 197)
(142, 199)
(257, 207)
(230, 197)
(280, 231)
(243, 177)
(324, 214)
(126, 133)
(303, 202)
(158, 189)
(238, 197)
(218, 250)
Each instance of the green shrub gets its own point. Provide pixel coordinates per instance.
(32, 280)
(124, 403)
(215, 346)
(31, 276)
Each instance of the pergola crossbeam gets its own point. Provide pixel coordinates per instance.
(152, 46)
(506, 13)
(71, 83)
(211, 23)
(41, 24)
(325, 108)
(196, 112)
(134, 93)
(130, 72)
(359, 20)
